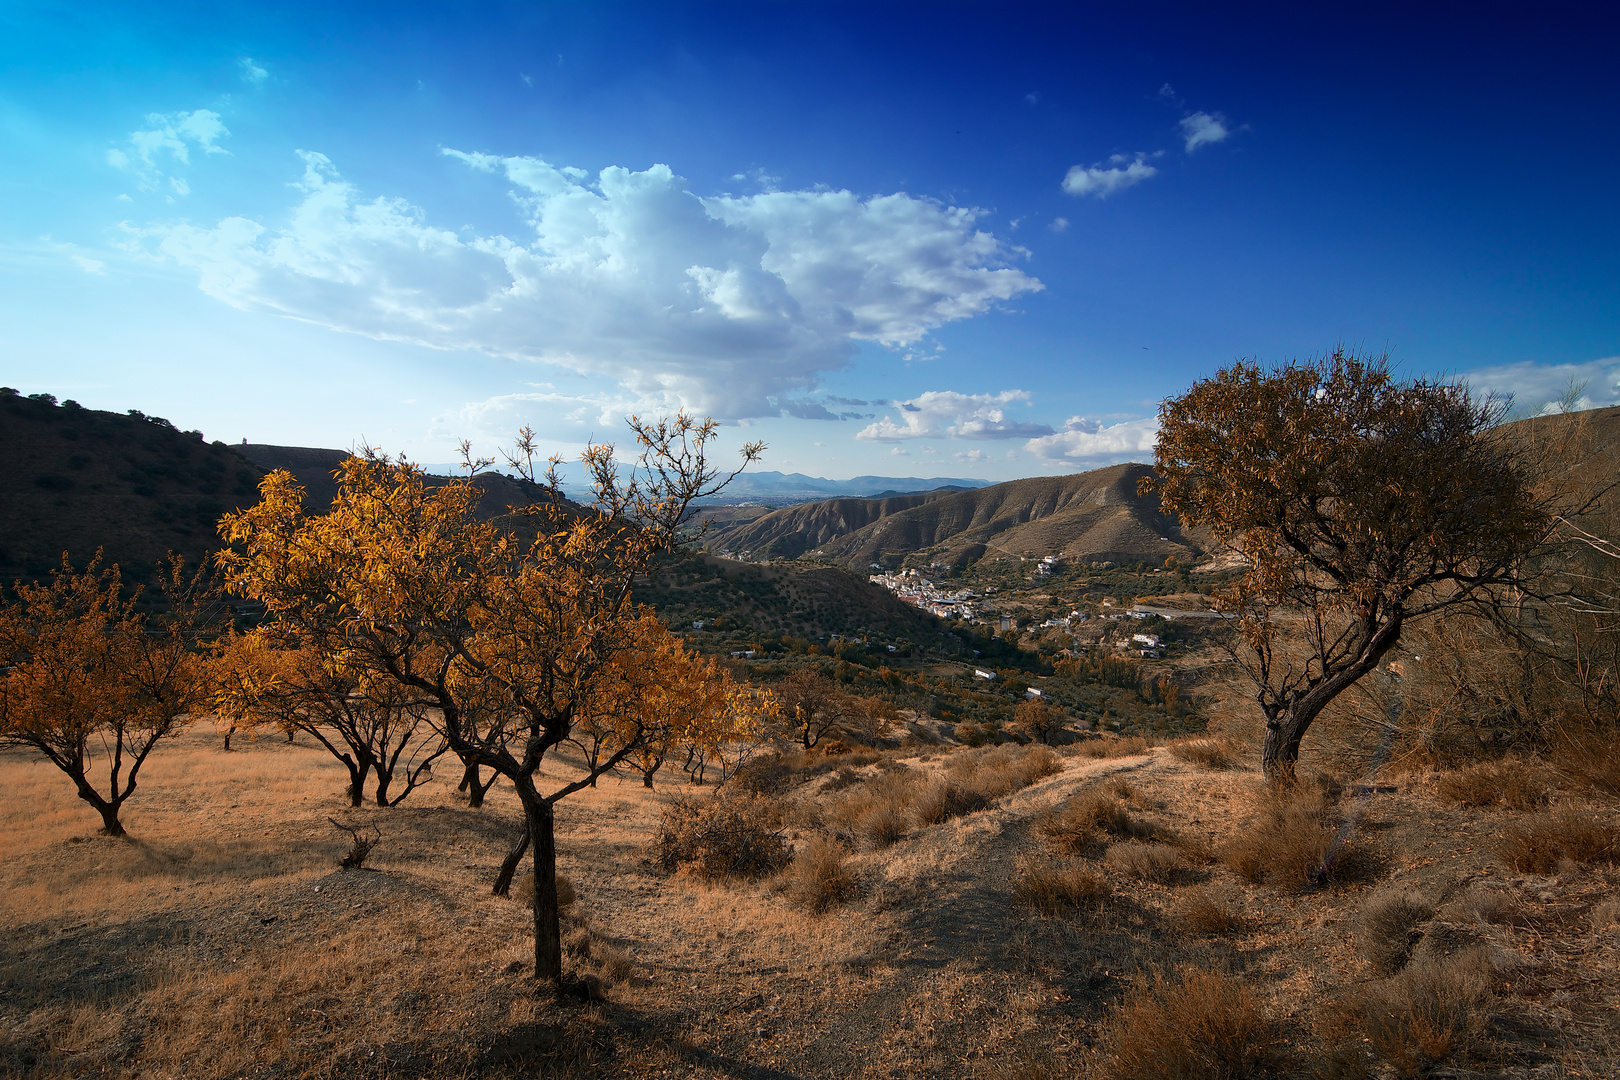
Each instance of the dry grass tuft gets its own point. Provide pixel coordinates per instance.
(1589, 755)
(1296, 842)
(976, 778)
(1203, 1026)
(522, 891)
(1075, 824)
(819, 878)
(1510, 782)
(1158, 863)
(943, 800)
(1057, 888)
(1114, 746)
(877, 812)
(1551, 842)
(1427, 1013)
(724, 837)
(1209, 753)
(1201, 913)
(1388, 930)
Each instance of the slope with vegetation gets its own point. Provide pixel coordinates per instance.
(1096, 516)
(78, 480)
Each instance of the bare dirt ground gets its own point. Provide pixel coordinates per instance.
(222, 941)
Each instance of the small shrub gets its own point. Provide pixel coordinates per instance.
(1159, 863)
(721, 838)
(943, 800)
(1114, 746)
(1550, 842)
(1296, 842)
(1074, 824)
(877, 812)
(1589, 755)
(1489, 906)
(819, 878)
(522, 891)
(1388, 930)
(1203, 1026)
(1209, 753)
(1055, 888)
(1509, 782)
(1427, 1013)
(1201, 913)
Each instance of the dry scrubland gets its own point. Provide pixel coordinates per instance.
(1107, 910)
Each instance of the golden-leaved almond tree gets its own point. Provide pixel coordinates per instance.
(509, 641)
(373, 726)
(1358, 502)
(93, 685)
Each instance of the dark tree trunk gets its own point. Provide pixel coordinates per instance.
(475, 788)
(547, 923)
(509, 865)
(228, 733)
(383, 780)
(1280, 751)
(357, 780)
(646, 779)
(109, 819)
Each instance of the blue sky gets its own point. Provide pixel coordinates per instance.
(977, 240)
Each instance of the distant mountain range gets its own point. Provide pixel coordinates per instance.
(1094, 515)
(776, 488)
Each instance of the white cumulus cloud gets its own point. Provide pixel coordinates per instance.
(1105, 178)
(945, 413)
(726, 305)
(1092, 443)
(1204, 129)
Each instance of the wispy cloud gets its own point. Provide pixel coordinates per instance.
(945, 413)
(168, 140)
(1105, 178)
(1543, 388)
(1091, 443)
(1204, 129)
(727, 305)
(252, 72)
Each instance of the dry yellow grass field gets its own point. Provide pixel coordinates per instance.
(222, 940)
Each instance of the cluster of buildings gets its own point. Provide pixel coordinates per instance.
(920, 591)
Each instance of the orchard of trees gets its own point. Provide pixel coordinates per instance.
(402, 631)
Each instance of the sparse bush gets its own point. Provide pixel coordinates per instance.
(522, 891)
(819, 878)
(1388, 929)
(1488, 906)
(943, 800)
(1296, 842)
(1114, 746)
(1159, 863)
(768, 774)
(1201, 913)
(1589, 755)
(1510, 782)
(1427, 1013)
(1203, 1026)
(1210, 753)
(1545, 844)
(1074, 825)
(721, 838)
(877, 812)
(1055, 888)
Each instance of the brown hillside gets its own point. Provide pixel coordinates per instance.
(1092, 515)
(794, 530)
(78, 480)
